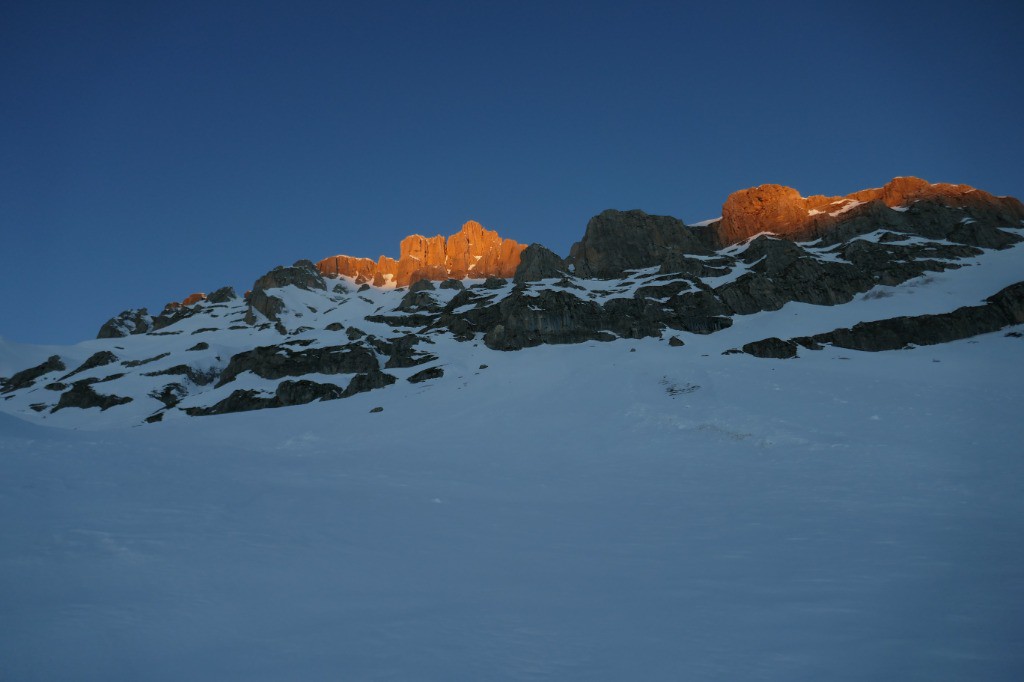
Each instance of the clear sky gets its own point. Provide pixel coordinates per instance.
(152, 149)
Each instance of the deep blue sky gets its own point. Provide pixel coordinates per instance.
(155, 149)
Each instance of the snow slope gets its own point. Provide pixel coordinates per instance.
(672, 516)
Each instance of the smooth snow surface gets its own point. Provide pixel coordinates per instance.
(568, 513)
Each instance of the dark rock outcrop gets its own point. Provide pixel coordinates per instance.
(549, 317)
(537, 263)
(170, 395)
(427, 374)
(1000, 310)
(27, 377)
(772, 347)
(421, 285)
(303, 274)
(368, 381)
(222, 295)
(783, 272)
(196, 376)
(617, 241)
(402, 352)
(126, 323)
(98, 359)
(276, 362)
(287, 393)
(82, 395)
(139, 363)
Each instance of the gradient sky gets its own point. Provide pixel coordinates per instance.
(150, 150)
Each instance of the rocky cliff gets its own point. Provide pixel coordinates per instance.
(474, 252)
(940, 208)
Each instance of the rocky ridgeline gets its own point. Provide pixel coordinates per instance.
(347, 325)
(472, 252)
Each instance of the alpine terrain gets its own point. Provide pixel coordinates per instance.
(784, 444)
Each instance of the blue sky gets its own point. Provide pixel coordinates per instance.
(155, 149)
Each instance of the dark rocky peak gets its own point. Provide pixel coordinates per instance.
(303, 274)
(618, 241)
(537, 263)
(222, 295)
(126, 323)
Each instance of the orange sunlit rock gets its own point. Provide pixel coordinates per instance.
(782, 211)
(474, 251)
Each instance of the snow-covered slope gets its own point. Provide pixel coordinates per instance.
(340, 338)
(845, 516)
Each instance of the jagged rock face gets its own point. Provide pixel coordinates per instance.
(222, 295)
(958, 212)
(783, 272)
(617, 241)
(126, 323)
(472, 252)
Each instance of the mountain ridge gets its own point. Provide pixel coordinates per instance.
(333, 329)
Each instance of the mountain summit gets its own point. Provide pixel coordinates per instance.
(777, 276)
(473, 252)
